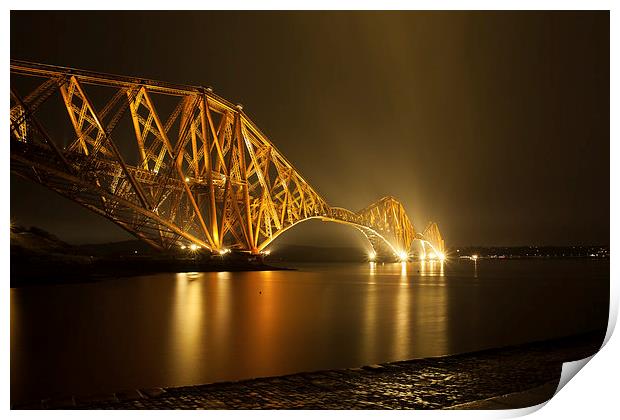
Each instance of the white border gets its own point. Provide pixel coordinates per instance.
(591, 394)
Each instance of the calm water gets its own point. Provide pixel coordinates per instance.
(193, 328)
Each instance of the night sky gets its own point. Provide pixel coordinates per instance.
(495, 125)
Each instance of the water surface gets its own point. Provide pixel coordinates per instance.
(193, 328)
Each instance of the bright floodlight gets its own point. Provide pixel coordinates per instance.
(194, 247)
(474, 257)
(402, 255)
(224, 251)
(267, 252)
(441, 256)
(372, 255)
(431, 255)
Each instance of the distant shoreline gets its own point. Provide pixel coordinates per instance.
(40, 258)
(28, 269)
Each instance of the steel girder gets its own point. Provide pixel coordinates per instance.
(206, 175)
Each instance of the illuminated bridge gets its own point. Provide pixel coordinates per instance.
(191, 171)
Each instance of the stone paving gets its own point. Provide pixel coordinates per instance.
(433, 383)
(531, 397)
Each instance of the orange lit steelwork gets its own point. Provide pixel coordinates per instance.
(205, 177)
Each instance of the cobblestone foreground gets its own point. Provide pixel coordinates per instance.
(433, 383)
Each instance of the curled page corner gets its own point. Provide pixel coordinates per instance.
(570, 369)
(611, 323)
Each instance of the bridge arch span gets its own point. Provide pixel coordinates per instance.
(206, 174)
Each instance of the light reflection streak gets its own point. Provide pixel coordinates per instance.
(428, 318)
(370, 322)
(265, 322)
(432, 268)
(373, 268)
(221, 304)
(402, 317)
(188, 316)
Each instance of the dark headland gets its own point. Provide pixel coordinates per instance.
(38, 258)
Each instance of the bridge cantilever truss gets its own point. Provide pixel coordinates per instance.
(204, 175)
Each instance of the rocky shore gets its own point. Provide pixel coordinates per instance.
(529, 372)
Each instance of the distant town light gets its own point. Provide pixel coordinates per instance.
(267, 252)
(183, 247)
(224, 251)
(186, 179)
(474, 257)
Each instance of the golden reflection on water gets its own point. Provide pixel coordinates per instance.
(192, 328)
(370, 321)
(417, 320)
(402, 315)
(187, 323)
(221, 304)
(432, 268)
(265, 318)
(430, 307)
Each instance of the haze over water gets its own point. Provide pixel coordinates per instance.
(194, 328)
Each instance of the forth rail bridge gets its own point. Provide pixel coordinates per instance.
(205, 177)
